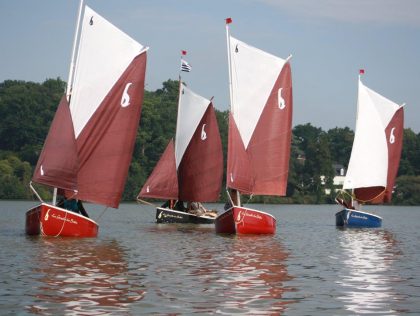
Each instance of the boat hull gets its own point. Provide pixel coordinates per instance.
(353, 218)
(49, 220)
(241, 220)
(166, 215)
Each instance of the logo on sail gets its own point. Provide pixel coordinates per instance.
(42, 171)
(203, 133)
(392, 136)
(125, 99)
(231, 177)
(91, 20)
(147, 189)
(282, 103)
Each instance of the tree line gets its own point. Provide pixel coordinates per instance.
(27, 109)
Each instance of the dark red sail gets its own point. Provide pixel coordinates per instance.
(163, 181)
(239, 174)
(269, 147)
(58, 164)
(106, 143)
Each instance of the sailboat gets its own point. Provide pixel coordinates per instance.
(374, 159)
(87, 152)
(191, 167)
(260, 128)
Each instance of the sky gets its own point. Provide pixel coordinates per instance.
(330, 40)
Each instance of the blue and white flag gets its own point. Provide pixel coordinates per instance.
(185, 66)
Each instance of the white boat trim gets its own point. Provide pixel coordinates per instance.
(183, 213)
(67, 211)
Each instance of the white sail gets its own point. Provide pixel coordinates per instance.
(254, 73)
(104, 53)
(368, 166)
(191, 110)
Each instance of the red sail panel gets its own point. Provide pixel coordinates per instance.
(58, 164)
(394, 133)
(269, 147)
(106, 143)
(200, 171)
(373, 195)
(163, 182)
(239, 168)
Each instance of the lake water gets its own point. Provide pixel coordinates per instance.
(135, 266)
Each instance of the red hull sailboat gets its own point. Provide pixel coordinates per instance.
(88, 149)
(191, 168)
(260, 127)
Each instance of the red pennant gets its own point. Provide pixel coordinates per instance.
(228, 20)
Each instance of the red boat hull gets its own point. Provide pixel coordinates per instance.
(241, 220)
(49, 220)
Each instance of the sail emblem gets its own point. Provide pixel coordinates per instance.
(91, 20)
(236, 48)
(282, 103)
(47, 215)
(148, 189)
(392, 136)
(231, 177)
(203, 133)
(42, 170)
(125, 99)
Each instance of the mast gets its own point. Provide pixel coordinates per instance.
(361, 72)
(72, 62)
(236, 194)
(228, 21)
(71, 71)
(183, 52)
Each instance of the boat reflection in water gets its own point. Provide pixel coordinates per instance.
(367, 273)
(230, 274)
(82, 277)
(254, 274)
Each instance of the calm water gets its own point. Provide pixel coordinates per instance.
(138, 267)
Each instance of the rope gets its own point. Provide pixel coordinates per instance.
(100, 215)
(61, 230)
(145, 202)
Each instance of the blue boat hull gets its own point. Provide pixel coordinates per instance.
(353, 218)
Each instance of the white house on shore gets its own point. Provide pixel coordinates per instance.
(338, 181)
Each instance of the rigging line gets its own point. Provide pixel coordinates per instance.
(140, 201)
(100, 215)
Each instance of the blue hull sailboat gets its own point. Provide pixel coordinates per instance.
(352, 218)
(374, 160)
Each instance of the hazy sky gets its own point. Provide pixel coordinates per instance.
(329, 39)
